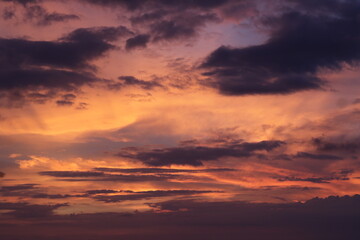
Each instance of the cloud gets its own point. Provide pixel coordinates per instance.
(163, 170)
(33, 69)
(25, 210)
(23, 2)
(18, 187)
(195, 155)
(138, 4)
(180, 27)
(332, 145)
(301, 45)
(66, 100)
(37, 79)
(125, 81)
(43, 17)
(32, 191)
(8, 13)
(139, 41)
(131, 5)
(73, 176)
(342, 175)
(73, 51)
(147, 195)
(33, 12)
(317, 156)
(53, 196)
(92, 192)
(313, 179)
(166, 21)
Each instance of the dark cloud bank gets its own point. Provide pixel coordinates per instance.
(331, 218)
(196, 155)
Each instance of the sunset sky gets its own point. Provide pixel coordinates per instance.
(179, 119)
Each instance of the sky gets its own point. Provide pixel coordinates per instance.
(189, 119)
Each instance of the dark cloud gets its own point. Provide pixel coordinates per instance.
(66, 100)
(42, 17)
(317, 156)
(37, 79)
(33, 12)
(168, 21)
(131, 5)
(180, 27)
(139, 41)
(64, 103)
(330, 218)
(339, 7)
(5, 189)
(133, 81)
(98, 34)
(342, 175)
(74, 51)
(18, 87)
(147, 195)
(32, 191)
(53, 196)
(300, 45)
(23, 2)
(103, 191)
(148, 17)
(296, 188)
(8, 13)
(25, 210)
(71, 174)
(313, 179)
(82, 106)
(356, 101)
(68, 97)
(180, 5)
(50, 18)
(100, 176)
(162, 170)
(39, 98)
(240, 9)
(30, 67)
(337, 145)
(195, 155)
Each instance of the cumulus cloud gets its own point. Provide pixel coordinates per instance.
(301, 44)
(33, 69)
